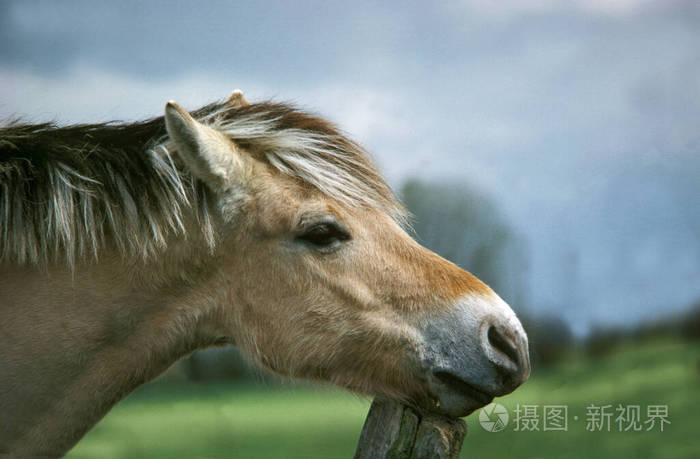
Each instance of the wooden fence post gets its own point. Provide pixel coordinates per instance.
(395, 431)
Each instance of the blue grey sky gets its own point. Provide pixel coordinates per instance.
(579, 118)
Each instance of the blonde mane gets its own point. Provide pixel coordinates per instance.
(64, 191)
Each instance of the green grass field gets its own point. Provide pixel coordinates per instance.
(229, 420)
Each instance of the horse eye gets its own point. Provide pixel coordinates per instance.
(324, 235)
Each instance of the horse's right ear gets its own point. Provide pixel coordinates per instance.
(208, 153)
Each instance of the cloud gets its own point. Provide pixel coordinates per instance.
(89, 94)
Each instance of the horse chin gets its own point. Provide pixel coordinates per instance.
(457, 405)
(458, 399)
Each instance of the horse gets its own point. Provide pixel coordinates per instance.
(127, 246)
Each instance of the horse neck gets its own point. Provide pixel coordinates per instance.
(82, 339)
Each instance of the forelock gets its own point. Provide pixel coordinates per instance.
(311, 149)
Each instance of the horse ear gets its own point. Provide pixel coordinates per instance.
(208, 153)
(237, 99)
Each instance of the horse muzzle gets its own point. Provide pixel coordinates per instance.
(476, 352)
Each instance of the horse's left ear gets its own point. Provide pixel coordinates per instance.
(237, 99)
(208, 153)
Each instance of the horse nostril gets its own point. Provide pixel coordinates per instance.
(503, 344)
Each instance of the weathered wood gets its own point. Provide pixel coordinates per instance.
(439, 437)
(394, 431)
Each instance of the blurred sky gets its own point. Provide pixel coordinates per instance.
(579, 118)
